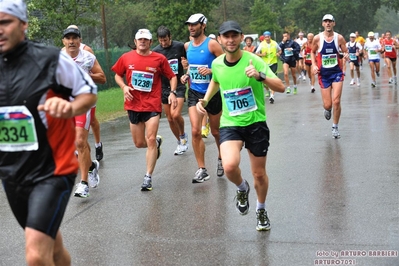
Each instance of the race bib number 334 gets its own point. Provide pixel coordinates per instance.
(17, 129)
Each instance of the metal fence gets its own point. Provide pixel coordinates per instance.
(113, 55)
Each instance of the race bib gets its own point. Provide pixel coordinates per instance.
(17, 129)
(373, 52)
(308, 57)
(288, 52)
(240, 101)
(388, 48)
(197, 77)
(174, 65)
(352, 57)
(142, 81)
(329, 60)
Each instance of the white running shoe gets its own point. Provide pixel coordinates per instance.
(93, 177)
(352, 82)
(82, 190)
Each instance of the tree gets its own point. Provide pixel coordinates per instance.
(349, 15)
(264, 17)
(173, 14)
(55, 16)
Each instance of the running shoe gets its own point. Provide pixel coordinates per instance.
(378, 74)
(181, 148)
(395, 80)
(93, 177)
(271, 100)
(390, 81)
(352, 82)
(205, 131)
(220, 170)
(335, 133)
(99, 152)
(295, 90)
(263, 223)
(312, 90)
(304, 77)
(327, 114)
(82, 190)
(147, 184)
(201, 175)
(373, 84)
(358, 82)
(159, 143)
(178, 150)
(288, 91)
(242, 203)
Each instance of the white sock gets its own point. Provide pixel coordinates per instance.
(260, 205)
(243, 186)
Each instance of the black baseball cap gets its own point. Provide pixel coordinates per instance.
(71, 31)
(229, 26)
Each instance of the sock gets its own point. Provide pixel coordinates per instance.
(84, 182)
(92, 166)
(243, 186)
(260, 205)
(183, 136)
(147, 175)
(203, 127)
(98, 144)
(335, 125)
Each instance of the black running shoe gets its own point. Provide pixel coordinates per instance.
(242, 203)
(263, 223)
(99, 152)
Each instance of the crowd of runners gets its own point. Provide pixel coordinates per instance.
(221, 83)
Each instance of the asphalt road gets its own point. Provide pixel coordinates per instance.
(328, 198)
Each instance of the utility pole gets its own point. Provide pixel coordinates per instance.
(104, 32)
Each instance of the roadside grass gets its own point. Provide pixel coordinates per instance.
(109, 104)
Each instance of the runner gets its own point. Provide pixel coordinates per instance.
(354, 49)
(269, 51)
(390, 46)
(37, 162)
(362, 41)
(373, 48)
(289, 55)
(200, 53)
(328, 65)
(88, 62)
(94, 124)
(143, 96)
(248, 44)
(300, 66)
(173, 51)
(243, 118)
(307, 49)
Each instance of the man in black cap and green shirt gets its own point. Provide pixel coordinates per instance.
(243, 119)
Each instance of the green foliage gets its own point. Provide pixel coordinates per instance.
(173, 14)
(264, 17)
(55, 16)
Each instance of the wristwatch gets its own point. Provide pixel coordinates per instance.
(262, 76)
(173, 91)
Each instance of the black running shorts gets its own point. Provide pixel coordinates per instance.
(256, 137)
(214, 106)
(42, 205)
(137, 117)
